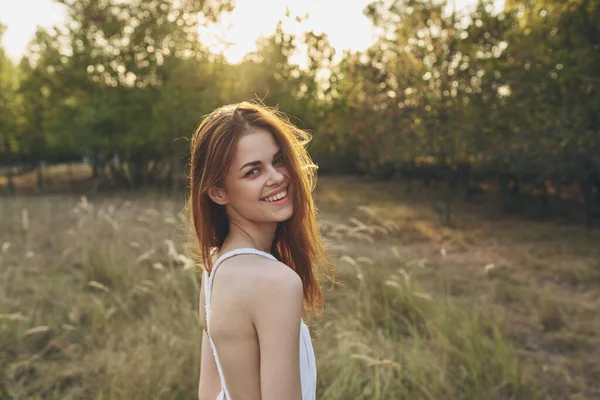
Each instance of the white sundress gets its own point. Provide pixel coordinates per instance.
(308, 367)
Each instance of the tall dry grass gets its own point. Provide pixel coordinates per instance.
(98, 300)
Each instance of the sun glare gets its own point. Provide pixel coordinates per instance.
(236, 34)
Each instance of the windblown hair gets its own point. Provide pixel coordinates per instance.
(298, 242)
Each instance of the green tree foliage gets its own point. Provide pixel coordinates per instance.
(441, 95)
(554, 83)
(8, 85)
(8, 113)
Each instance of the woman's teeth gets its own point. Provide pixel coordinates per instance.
(277, 196)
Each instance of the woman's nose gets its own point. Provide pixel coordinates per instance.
(275, 175)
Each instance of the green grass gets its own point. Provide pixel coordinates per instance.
(390, 340)
(84, 317)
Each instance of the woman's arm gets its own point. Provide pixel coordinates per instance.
(210, 383)
(277, 312)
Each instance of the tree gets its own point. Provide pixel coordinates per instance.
(8, 113)
(552, 69)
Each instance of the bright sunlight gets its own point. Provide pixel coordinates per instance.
(236, 34)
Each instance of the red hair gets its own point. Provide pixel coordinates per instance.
(298, 242)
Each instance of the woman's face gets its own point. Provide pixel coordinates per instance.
(257, 179)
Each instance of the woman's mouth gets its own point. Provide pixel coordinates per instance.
(277, 198)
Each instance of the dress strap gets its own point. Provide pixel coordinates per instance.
(243, 250)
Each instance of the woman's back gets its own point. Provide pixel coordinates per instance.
(247, 304)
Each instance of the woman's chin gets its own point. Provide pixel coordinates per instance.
(285, 214)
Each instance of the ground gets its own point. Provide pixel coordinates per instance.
(98, 299)
(542, 277)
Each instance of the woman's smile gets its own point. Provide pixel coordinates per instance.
(277, 198)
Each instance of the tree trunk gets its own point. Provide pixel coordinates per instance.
(463, 177)
(99, 173)
(510, 193)
(136, 172)
(153, 172)
(118, 175)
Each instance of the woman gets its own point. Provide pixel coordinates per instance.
(255, 222)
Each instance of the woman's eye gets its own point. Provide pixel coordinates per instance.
(278, 160)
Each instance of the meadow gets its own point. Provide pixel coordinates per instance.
(99, 299)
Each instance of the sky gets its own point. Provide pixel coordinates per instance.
(342, 20)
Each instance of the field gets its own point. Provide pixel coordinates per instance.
(98, 299)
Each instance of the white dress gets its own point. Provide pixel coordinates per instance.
(308, 367)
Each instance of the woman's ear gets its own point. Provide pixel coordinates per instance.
(218, 195)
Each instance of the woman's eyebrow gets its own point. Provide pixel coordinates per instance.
(255, 163)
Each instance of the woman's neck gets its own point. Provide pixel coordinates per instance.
(260, 238)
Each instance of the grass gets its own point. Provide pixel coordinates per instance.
(391, 340)
(98, 301)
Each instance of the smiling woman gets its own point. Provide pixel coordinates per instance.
(255, 221)
(257, 180)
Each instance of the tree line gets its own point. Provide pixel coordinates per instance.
(456, 97)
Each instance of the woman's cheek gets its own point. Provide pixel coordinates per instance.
(256, 188)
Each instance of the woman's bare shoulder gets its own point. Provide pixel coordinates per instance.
(273, 294)
(264, 271)
(263, 279)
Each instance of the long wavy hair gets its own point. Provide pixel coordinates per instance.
(298, 242)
